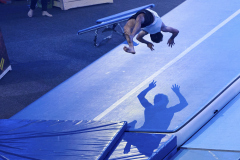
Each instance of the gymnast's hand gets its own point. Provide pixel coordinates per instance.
(150, 45)
(171, 42)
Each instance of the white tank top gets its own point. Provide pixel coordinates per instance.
(155, 26)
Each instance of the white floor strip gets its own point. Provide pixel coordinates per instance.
(104, 113)
(5, 72)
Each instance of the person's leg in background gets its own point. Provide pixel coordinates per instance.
(44, 8)
(32, 7)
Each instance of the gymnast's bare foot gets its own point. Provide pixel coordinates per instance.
(129, 49)
(45, 13)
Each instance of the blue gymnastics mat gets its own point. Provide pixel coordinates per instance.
(144, 146)
(58, 140)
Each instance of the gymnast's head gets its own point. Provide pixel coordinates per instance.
(157, 37)
(161, 100)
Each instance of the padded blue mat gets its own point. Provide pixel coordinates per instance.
(57, 140)
(144, 146)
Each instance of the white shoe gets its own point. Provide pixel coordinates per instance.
(30, 13)
(45, 13)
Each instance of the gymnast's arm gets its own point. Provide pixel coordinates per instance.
(172, 30)
(140, 38)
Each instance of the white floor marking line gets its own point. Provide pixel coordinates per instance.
(100, 116)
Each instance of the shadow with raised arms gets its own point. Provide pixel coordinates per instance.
(157, 117)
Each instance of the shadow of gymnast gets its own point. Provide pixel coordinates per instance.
(157, 116)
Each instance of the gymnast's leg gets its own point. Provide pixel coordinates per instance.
(132, 27)
(128, 35)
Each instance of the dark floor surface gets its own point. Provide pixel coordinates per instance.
(44, 51)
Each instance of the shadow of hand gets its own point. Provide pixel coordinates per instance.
(175, 88)
(152, 84)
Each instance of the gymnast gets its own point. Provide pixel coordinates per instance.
(144, 22)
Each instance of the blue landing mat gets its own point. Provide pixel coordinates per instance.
(57, 140)
(145, 146)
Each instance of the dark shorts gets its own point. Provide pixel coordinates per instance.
(148, 17)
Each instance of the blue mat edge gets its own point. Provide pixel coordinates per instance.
(113, 142)
(163, 149)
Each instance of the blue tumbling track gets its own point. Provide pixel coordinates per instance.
(190, 77)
